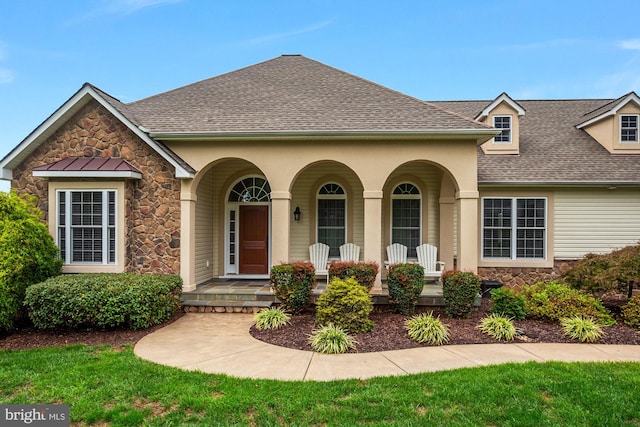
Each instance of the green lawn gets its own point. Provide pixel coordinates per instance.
(109, 387)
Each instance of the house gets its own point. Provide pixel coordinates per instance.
(204, 180)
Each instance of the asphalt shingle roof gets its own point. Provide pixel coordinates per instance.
(290, 93)
(552, 149)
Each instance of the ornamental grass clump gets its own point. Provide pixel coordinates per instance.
(331, 339)
(427, 329)
(498, 327)
(271, 318)
(585, 329)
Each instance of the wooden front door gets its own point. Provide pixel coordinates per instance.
(254, 239)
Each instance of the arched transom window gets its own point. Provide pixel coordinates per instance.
(251, 190)
(332, 222)
(405, 217)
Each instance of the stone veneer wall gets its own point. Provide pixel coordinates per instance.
(152, 204)
(517, 277)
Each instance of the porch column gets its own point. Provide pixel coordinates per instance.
(373, 231)
(280, 221)
(467, 230)
(187, 237)
(445, 252)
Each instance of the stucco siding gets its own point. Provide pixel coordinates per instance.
(595, 221)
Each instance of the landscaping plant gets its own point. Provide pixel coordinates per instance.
(292, 283)
(28, 254)
(427, 329)
(405, 283)
(585, 329)
(554, 300)
(499, 327)
(364, 272)
(345, 304)
(271, 318)
(507, 302)
(331, 339)
(631, 312)
(459, 289)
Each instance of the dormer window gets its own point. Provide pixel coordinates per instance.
(629, 128)
(504, 123)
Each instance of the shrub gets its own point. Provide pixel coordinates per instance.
(28, 254)
(405, 282)
(345, 304)
(426, 329)
(498, 327)
(631, 312)
(507, 302)
(553, 300)
(292, 283)
(364, 272)
(103, 301)
(459, 289)
(271, 318)
(585, 329)
(331, 339)
(617, 271)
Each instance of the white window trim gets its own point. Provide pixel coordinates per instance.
(637, 116)
(119, 188)
(510, 128)
(334, 197)
(405, 196)
(514, 228)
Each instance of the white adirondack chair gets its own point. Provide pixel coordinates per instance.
(396, 254)
(428, 259)
(319, 254)
(350, 252)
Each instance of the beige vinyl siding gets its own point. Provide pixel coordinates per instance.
(595, 221)
(204, 230)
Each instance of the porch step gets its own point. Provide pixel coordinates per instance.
(221, 306)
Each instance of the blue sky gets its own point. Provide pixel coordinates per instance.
(433, 50)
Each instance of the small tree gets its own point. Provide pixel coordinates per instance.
(28, 254)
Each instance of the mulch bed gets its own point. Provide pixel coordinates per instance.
(388, 333)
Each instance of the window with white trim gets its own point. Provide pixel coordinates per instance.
(503, 123)
(332, 219)
(405, 217)
(87, 226)
(514, 228)
(629, 128)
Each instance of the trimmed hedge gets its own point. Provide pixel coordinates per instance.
(346, 304)
(104, 301)
(459, 290)
(292, 283)
(507, 302)
(364, 272)
(405, 282)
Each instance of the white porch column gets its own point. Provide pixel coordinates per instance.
(468, 230)
(373, 231)
(445, 252)
(187, 237)
(280, 222)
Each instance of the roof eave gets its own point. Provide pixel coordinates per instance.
(88, 174)
(538, 184)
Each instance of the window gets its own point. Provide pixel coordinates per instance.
(405, 217)
(332, 217)
(629, 128)
(504, 123)
(87, 226)
(514, 228)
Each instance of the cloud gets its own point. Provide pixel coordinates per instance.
(631, 44)
(280, 36)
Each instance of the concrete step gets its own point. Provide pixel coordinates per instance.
(220, 306)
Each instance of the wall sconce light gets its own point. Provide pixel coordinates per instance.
(296, 213)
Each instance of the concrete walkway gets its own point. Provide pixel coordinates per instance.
(221, 344)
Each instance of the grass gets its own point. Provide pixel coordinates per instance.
(104, 386)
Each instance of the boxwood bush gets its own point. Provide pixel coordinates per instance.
(292, 284)
(345, 304)
(104, 301)
(507, 302)
(405, 282)
(459, 290)
(28, 254)
(364, 272)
